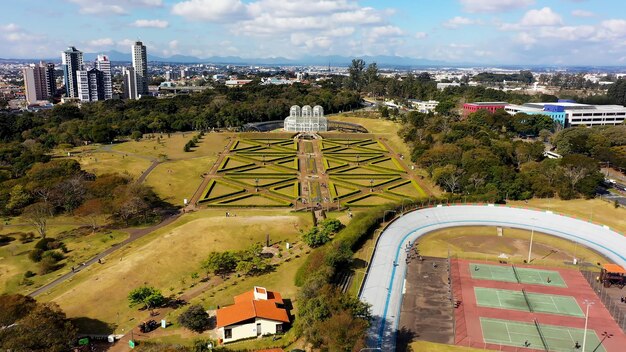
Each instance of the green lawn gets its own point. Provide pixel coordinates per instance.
(167, 258)
(176, 180)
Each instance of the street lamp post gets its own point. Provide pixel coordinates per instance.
(530, 248)
(256, 182)
(587, 303)
(605, 335)
(371, 185)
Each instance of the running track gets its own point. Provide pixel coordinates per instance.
(383, 285)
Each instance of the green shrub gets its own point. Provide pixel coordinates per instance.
(35, 255)
(29, 274)
(315, 238)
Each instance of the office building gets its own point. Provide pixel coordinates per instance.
(130, 83)
(491, 106)
(570, 114)
(91, 85)
(140, 64)
(171, 75)
(39, 82)
(104, 65)
(72, 61)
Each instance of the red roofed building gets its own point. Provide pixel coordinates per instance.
(255, 313)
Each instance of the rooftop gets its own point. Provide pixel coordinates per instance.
(246, 307)
(488, 103)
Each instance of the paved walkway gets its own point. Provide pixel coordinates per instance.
(135, 234)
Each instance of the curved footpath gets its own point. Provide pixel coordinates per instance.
(385, 278)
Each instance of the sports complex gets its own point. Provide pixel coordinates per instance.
(499, 306)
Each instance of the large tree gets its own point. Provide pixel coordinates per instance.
(147, 296)
(28, 326)
(195, 318)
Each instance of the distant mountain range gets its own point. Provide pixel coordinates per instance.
(333, 60)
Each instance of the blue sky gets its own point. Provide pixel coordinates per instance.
(561, 32)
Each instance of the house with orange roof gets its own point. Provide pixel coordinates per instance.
(255, 313)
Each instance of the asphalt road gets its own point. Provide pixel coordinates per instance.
(383, 285)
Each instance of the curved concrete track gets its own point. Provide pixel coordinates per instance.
(385, 279)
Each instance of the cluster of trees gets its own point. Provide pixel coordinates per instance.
(249, 262)
(193, 142)
(220, 107)
(605, 144)
(26, 325)
(328, 318)
(45, 188)
(481, 156)
(321, 234)
(523, 76)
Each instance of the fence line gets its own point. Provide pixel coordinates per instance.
(614, 309)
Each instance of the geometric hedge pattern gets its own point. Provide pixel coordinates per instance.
(356, 167)
(271, 166)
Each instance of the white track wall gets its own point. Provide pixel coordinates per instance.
(383, 285)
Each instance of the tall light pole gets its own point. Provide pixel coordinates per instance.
(587, 303)
(530, 248)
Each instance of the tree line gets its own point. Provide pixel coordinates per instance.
(483, 155)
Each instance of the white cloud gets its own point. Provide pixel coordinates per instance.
(541, 17)
(15, 34)
(421, 35)
(173, 44)
(386, 31)
(582, 13)
(459, 21)
(494, 5)
(112, 7)
(11, 27)
(102, 42)
(150, 24)
(211, 10)
(526, 40)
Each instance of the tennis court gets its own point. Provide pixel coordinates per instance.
(516, 274)
(538, 336)
(527, 301)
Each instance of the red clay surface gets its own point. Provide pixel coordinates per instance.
(467, 315)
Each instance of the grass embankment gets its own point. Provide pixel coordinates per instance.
(14, 260)
(168, 257)
(483, 243)
(176, 180)
(172, 146)
(595, 210)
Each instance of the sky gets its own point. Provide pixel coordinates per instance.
(555, 32)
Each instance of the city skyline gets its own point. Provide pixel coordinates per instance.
(558, 32)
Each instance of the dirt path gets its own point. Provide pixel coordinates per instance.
(135, 234)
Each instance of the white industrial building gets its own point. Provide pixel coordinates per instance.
(424, 106)
(571, 114)
(306, 119)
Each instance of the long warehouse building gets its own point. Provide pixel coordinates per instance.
(570, 114)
